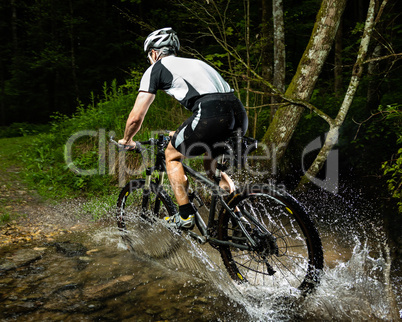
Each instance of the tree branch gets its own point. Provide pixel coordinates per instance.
(397, 56)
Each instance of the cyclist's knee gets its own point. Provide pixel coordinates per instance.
(171, 154)
(226, 183)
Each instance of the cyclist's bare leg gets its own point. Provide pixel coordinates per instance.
(226, 182)
(176, 174)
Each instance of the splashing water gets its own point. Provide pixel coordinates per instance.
(356, 282)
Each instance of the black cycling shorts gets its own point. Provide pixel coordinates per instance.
(215, 118)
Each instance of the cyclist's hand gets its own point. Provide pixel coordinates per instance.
(171, 133)
(128, 145)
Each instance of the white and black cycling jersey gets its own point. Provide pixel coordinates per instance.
(185, 79)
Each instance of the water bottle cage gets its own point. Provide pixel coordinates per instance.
(222, 167)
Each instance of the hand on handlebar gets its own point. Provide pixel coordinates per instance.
(130, 145)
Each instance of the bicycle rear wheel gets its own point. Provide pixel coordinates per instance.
(135, 202)
(288, 250)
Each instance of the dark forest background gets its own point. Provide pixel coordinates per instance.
(60, 57)
(54, 54)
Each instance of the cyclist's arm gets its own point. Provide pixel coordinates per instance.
(136, 117)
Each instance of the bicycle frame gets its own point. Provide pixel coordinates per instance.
(217, 196)
(285, 242)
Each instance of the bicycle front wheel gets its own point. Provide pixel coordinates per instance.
(287, 250)
(136, 202)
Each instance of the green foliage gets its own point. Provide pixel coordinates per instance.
(374, 138)
(215, 59)
(53, 55)
(22, 129)
(392, 169)
(4, 217)
(45, 158)
(100, 206)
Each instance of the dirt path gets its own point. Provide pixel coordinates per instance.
(24, 215)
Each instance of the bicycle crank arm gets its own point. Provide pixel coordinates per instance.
(200, 239)
(227, 243)
(270, 269)
(203, 240)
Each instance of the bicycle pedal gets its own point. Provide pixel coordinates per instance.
(200, 239)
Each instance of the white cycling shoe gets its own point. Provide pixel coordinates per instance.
(176, 221)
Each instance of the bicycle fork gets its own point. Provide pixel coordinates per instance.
(147, 192)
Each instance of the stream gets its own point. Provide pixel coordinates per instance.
(91, 276)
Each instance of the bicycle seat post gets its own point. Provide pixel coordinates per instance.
(219, 165)
(148, 173)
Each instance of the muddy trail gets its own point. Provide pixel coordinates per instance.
(26, 217)
(52, 268)
(74, 279)
(56, 263)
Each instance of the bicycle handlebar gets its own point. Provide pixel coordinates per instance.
(138, 144)
(137, 147)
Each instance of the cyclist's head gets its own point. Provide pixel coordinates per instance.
(163, 40)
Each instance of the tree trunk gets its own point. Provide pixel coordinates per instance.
(266, 47)
(279, 51)
(333, 133)
(72, 52)
(338, 79)
(2, 97)
(373, 73)
(247, 40)
(301, 87)
(14, 27)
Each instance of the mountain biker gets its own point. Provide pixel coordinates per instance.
(199, 88)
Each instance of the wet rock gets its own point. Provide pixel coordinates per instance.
(151, 312)
(161, 291)
(92, 307)
(109, 289)
(168, 314)
(20, 258)
(71, 249)
(6, 265)
(201, 300)
(81, 265)
(66, 288)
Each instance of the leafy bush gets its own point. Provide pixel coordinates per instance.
(22, 129)
(393, 171)
(392, 168)
(84, 136)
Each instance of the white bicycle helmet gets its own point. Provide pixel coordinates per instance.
(165, 37)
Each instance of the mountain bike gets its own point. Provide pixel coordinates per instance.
(264, 236)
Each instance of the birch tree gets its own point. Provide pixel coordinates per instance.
(303, 83)
(296, 99)
(336, 123)
(279, 50)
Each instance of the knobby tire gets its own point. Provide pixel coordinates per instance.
(134, 202)
(290, 251)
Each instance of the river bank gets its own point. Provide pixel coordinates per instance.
(57, 263)
(25, 216)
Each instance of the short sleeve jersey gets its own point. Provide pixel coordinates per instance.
(183, 78)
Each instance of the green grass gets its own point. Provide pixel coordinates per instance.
(11, 150)
(4, 217)
(42, 161)
(11, 175)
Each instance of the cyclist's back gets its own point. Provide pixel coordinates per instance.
(201, 89)
(185, 79)
(217, 112)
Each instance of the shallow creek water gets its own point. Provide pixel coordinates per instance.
(91, 276)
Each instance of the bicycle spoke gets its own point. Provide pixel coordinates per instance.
(280, 252)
